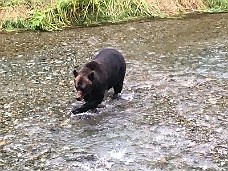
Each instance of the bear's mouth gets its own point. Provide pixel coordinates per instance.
(79, 96)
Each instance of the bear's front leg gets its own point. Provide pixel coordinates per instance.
(84, 108)
(94, 100)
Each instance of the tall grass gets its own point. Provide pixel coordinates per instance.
(119, 10)
(65, 13)
(217, 5)
(86, 12)
(14, 24)
(57, 14)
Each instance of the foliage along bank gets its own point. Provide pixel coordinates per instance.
(68, 13)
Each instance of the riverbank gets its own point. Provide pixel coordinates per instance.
(58, 14)
(172, 114)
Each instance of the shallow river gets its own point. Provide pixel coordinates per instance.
(172, 113)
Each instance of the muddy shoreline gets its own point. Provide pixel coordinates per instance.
(13, 44)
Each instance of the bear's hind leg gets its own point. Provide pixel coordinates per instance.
(118, 88)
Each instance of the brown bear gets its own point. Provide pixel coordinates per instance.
(105, 71)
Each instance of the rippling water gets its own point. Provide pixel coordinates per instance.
(172, 113)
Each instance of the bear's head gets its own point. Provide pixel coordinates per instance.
(83, 84)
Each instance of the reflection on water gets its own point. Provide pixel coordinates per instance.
(172, 114)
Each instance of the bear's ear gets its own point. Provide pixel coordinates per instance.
(75, 73)
(91, 76)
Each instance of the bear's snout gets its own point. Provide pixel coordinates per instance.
(79, 96)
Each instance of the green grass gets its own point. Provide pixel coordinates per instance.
(35, 23)
(14, 24)
(76, 12)
(57, 14)
(5, 3)
(217, 5)
(30, 3)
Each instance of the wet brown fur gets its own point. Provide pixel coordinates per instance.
(105, 71)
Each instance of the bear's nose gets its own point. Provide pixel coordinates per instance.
(79, 96)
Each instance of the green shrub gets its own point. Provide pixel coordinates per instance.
(13, 24)
(217, 5)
